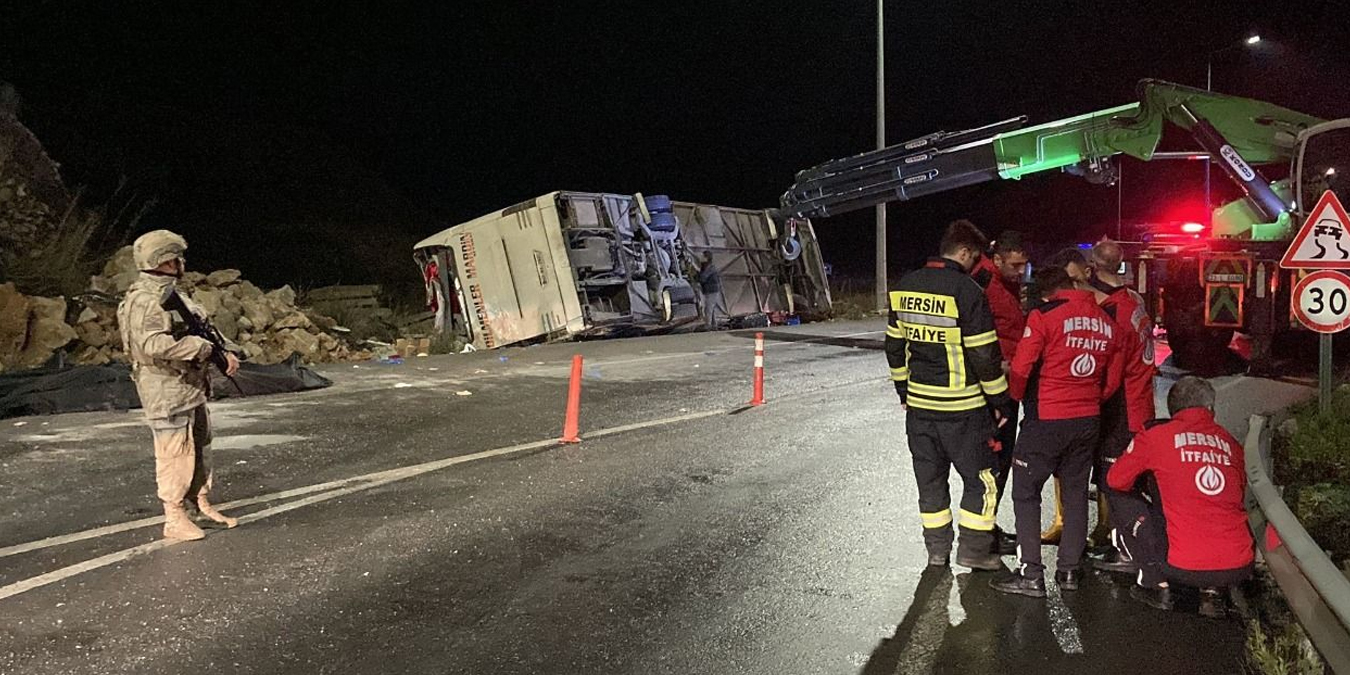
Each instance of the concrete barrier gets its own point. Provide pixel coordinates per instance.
(1318, 592)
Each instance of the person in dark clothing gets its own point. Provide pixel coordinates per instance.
(1074, 264)
(1000, 274)
(1195, 530)
(943, 353)
(710, 282)
(1125, 413)
(1067, 363)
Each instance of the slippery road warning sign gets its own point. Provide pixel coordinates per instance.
(1322, 301)
(1324, 240)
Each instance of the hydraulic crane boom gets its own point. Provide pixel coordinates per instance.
(1236, 132)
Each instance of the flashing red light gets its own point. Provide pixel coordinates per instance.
(1192, 228)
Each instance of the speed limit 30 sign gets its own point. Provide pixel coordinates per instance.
(1322, 301)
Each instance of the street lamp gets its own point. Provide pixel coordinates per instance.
(881, 286)
(1209, 86)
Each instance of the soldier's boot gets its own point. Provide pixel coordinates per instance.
(1101, 535)
(177, 525)
(209, 511)
(1052, 535)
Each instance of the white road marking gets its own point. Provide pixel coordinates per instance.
(116, 528)
(79, 568)
(1062, 622)
(352, 485)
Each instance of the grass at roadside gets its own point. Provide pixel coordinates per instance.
(1312, 462)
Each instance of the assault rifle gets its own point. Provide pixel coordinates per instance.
(170, 301)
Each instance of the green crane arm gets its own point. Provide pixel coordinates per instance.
(1236, 131)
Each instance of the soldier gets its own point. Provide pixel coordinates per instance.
(944, 357)
(173, 383)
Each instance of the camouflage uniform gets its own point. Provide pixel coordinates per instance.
(173, 382)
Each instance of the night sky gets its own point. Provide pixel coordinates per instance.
(314, 142)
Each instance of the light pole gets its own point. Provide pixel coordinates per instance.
(881, 143)
(1209, 86)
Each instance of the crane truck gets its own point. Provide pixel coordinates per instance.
(1200, 289)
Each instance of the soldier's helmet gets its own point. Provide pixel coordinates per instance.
(153, 249)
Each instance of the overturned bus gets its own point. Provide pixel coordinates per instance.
(578, 264)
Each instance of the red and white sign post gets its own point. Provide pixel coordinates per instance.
(1321, 300)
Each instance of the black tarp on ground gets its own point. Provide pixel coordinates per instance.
(55, 389)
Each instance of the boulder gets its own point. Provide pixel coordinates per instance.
(210, 300)
(113, 285)
(118, 274)
(47, 331)
(221, 278)
(283, 295)
(246, 291)
(122, 262)
(328, 343)
(92, 333)
(252, 351)
(195, 279)
(258, 313)
(227, 325)
(297, 341)
(323, 322)
(295, 319)
(14, 308)
(231, 304)
(93, 356)
(87, 315)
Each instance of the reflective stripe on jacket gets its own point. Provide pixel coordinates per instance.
(941, 344)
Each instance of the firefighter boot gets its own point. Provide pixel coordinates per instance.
(938, 541)
(177, 525)
(1052, 535)
(1101, 535)
(973, 551)
(209, 511)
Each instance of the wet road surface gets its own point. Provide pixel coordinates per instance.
(395, 523)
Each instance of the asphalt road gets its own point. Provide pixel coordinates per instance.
(420, 519)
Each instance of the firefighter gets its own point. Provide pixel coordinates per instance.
(171, 378)
(1194, 532)
(1125, 413)
(944, 359)
(1066, 365)
(1001, 274)
(1072, 261)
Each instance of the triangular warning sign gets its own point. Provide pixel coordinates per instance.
(1323, 243)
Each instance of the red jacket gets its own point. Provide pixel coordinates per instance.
(1201, 478)
(1006, 304)
(1068, 360)
(1135, 328)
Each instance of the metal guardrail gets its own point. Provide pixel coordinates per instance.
(1317, 592)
